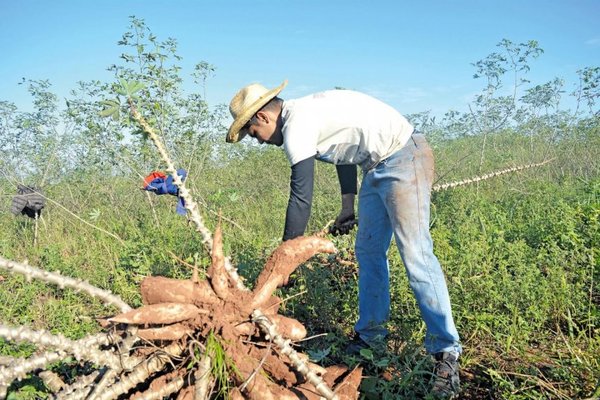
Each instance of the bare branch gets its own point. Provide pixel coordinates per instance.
(141, 372)
(203, 378)
(464, 182)
(81, 350)
(109, 377)
(20, 367)
(56, 278)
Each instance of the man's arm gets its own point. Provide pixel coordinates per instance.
(300, 202)
(348, 184)
(347, 177)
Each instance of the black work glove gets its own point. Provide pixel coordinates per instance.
(343, 224)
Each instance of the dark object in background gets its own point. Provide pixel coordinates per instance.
(28, 201)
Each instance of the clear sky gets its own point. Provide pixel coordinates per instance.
(415, 55)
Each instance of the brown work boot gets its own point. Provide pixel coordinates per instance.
(446, 381)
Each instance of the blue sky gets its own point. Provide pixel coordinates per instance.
(414, 55)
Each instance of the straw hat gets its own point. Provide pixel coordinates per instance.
(245, 104)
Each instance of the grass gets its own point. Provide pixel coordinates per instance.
(520, 254)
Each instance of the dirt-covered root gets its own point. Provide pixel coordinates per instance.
(163, 313)
(170, 332)
(289, 327)
(158, 289)
(348, 387)
(263, 370)
(219, 278)
(284, 260)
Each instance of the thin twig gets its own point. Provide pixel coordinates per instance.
(190, 266)
(286, 299)
(540, 382)
(258, 367)
(311, 337)
(230, 221)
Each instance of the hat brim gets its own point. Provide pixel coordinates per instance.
(235, 134)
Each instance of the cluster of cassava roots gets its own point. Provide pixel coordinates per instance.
(146, 353)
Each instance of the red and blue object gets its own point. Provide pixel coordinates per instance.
(159, 183)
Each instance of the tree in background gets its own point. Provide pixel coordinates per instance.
(51, 142)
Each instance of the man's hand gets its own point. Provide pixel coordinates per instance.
(346, 220)
(343, 224)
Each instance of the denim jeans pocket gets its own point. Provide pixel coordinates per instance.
(402, 157)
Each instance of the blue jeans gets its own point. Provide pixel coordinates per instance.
(394, 199)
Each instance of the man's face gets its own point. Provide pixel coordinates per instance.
(265, 129)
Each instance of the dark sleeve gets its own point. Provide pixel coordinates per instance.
(301, 193)
(347, 178)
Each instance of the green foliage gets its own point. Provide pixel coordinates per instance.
(222, 367)
(589, 87)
